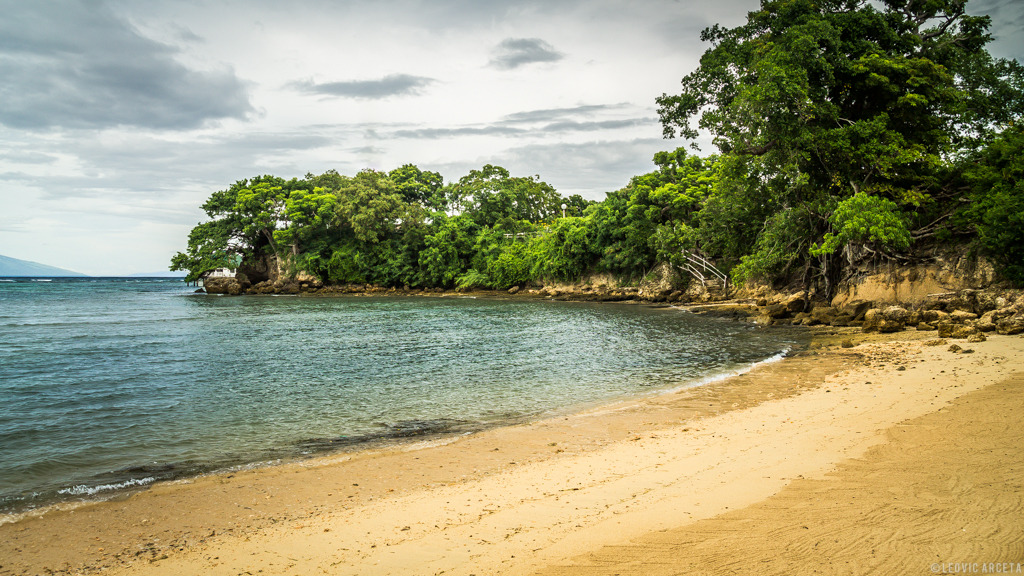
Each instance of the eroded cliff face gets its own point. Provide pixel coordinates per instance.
(915, 285)
(268, 275)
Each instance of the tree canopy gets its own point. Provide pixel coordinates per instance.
(820, 107)
(847, 131)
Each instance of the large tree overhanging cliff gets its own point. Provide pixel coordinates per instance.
(838, 121)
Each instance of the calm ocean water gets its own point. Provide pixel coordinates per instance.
(108, 383)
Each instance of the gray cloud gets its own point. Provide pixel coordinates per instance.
(500, 129)
(392, 85)
(78, 65)
(27, 157)
(571, 126)
(368, 149)
(551, 114)
(515, 52)
(1007, 22)
(550, 120)
(431, 133)
(588, 168)
(145, 173)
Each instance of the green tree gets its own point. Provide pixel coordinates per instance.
(418, 187)
(447, 251)
(565, 252)
(816, 101)
(996, 211)
(492, 196)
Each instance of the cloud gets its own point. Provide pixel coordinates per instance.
(590, 168)
(386, 87)
(432, 133)
(78, 65)
(512, 53)
(587, 168)
(1007, 22)
(551, 114)
(536, 122)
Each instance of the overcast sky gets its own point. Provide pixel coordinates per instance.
(119, 118)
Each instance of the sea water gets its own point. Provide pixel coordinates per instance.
(118, 382)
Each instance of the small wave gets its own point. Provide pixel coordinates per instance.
(6, 280)
(83, 490)
(777, 357)
(42, 280)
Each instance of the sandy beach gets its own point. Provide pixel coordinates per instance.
(895, 456)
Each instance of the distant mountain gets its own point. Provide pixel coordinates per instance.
(14, 267)
(163, 274)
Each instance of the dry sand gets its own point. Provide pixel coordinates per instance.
(889, 457)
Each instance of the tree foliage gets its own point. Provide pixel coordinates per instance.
(846, 129)
(823, 105)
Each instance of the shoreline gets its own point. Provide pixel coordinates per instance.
(422, 433)
(170, 526)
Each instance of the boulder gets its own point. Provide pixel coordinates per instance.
(776, 311)
(795, 303)
(823, 314)
(933, 316)
(842, 320)
(513, 290)
(1012, 325)
(976, 337)
(951, 330)
(221, 285)
(889, 319)
(985, 326)
(803, 318)
(856, 309)
(924, 326)
(962, 316)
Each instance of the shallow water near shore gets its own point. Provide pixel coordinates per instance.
(109, 384)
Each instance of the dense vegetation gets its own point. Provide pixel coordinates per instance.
(846, 131)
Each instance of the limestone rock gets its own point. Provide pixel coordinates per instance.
(795, 303)
(1012, 325)
(951, 330)
(856, 309)
(776, 311)
(223, 286)
(933, 316)
(962, 316)
(889, 319)
(842, 320)
(823, 314)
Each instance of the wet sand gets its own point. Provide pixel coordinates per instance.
(859, 460)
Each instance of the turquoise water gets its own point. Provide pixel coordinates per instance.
(107, 383)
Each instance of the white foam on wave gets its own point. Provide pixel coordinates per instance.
(39, 512)
(83, 490)
(777, 357)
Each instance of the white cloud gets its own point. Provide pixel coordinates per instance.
(120, 117)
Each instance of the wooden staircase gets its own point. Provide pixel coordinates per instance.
(700, 268)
